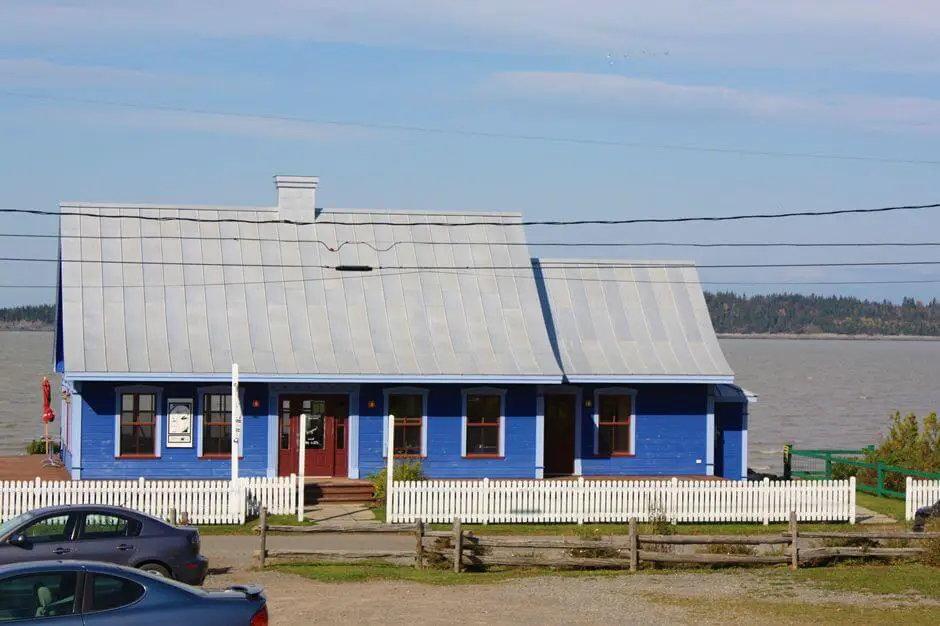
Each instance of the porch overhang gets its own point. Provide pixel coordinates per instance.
(649, 378)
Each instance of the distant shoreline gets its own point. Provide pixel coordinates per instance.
(29, 327)
(827, 337)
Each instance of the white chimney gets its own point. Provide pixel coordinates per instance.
(296, 196)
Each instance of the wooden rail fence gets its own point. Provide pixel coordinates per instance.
(460, 549)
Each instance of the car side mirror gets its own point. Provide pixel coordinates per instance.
(17, 540)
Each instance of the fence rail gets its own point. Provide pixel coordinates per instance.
(201, 501)
(920, 493)
(880, 479)
(594, 501)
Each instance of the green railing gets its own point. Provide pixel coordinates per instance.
(879, 479)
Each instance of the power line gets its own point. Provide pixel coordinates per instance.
(387, 246)
(583, 222)
(457, 273)
(429, 130)
(586, 264)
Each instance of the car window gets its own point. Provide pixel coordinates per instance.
(108, 526)
(48, 594)
(11, 524)
(112, 592)
(49, 529)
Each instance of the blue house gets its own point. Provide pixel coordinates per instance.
(494, 364)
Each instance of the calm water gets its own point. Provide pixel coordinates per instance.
(835, 394)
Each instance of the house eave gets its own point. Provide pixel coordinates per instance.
(321, 378)
(692, 379)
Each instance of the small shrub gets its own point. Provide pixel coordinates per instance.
(931, 554)
(843, 471)
(403, 470)
(38, 446)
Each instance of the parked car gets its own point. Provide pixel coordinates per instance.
(104, 533)
(80, 593)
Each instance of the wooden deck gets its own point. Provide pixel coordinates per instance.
(28, 467)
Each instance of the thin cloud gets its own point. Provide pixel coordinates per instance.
(616, 92)
(39, 72)
(802, 32)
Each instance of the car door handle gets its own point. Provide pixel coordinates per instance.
(125, 547)
(60, 550)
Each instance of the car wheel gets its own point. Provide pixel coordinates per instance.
(155, 568)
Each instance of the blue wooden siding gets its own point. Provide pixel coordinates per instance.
(730, 420)
(444, 458)
(99, 404)
(670, 433)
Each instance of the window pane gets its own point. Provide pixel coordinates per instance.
(401, 405)
(614, 408)
(146, 402)
(48, 529)
(127, 417)
(285, 431)
(127, 402)
(621, 438)
(315, 432)
(482, 440)
(37, 595)
(111, 592)
(483, 409)
(604, 441)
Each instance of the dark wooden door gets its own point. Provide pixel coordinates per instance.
(326, 435)
(559, 434)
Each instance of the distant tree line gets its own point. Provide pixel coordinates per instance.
(799, 314)
(41, 314)
(730, 313)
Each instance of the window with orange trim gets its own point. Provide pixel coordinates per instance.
(614, 415)
(138, 425)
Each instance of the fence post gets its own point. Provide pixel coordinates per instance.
(458, 545)
(486, 500)
(419, 544)
(794, 542)
(674, 498)
(908, 498)
(881, 479)
(828, 466)
(580, 500)
(765, 500)
(634, 546)
(263, 525)
(787, 462)
(852, 494)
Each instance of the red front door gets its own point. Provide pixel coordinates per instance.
(326, 437)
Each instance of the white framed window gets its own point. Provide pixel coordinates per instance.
(615, 422)
(409, 405)
(214, 422)
(137, 423)
(483, 423)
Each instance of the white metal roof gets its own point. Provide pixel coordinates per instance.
(630, 321)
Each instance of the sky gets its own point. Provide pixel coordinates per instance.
(560, 110)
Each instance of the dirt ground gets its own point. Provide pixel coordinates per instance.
(675, 598)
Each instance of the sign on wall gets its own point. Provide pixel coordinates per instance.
(179, 429)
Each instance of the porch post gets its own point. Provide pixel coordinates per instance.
(236, 421)
(301, 467)
(390, 469)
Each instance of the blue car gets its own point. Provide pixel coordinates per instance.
(111, 534)
(79, 593)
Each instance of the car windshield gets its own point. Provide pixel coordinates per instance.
(8, 526)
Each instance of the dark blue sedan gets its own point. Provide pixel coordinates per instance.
(79, 593)
(111, 534)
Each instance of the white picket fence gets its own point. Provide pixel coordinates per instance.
(202, 501)
(588, 501)
(920, 493)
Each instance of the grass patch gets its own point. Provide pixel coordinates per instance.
(771, 612)
(886, 579)
(885, 506)
(377, 570)
(248, 528)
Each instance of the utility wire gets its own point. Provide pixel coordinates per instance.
(457, 273)
(428, 130)
(387, 246)
(582, 222)
(586, 264)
